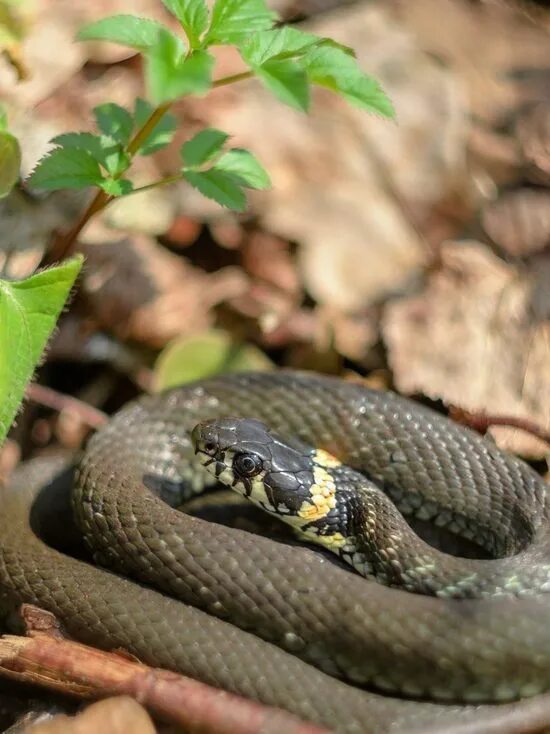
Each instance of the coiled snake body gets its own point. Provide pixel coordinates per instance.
(492, 646)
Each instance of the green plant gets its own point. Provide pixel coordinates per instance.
(287, 61)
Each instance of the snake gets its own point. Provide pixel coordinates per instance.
(426, 640)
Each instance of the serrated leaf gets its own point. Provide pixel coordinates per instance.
(277, 43)
(219, 186)
(203, 147)
(170, 74)
(287, 80)
(29, 310)
(103, 148)
(234, 20)
(114, 121)
(82, 140)
(210, 353)
(163, 132)
(193, 16)
(333, 68)
(128, 30)
(71, 168)
(10, 162)
(117, 186)
(244, 168)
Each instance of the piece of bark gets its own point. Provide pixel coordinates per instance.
(47, 659)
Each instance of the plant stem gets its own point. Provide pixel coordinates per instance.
(233, 78)
(161, 182)
(64, 244)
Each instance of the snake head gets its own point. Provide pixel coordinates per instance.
(246, 455)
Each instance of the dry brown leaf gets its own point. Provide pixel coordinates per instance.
(485, 43)
(118, 715)
(140, 291)
(471, 339)
(533, 132)
(519, 221)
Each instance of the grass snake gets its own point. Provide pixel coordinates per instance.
(257, 614)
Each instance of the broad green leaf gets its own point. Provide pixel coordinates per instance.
(277, 43)
(110, 154)
(193, 16)
(287, 80)
(82, 140)
(3, 119)
(244, 168)
(210, 353)
(203, 147)
(334, 69)
(163, 132)
(29, 310)
(170, 74)
(114, 121)
(128, 30)
(10, 162)
(117, 186)
(233, 21)
(71, 168)
(219, 186)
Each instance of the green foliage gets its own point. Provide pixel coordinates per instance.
(128, 30)
(234, 20)
(286, 60)
(197, 357)
(10, 157)
(193, 16)
(229, 173)
(171, 73)
(29, 310)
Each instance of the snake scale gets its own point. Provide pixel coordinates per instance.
(282, 624)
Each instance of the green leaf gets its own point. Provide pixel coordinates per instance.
(114, 121)
(203, 147)
(233, 21)
(219, 186)
(277, 43)
(170, 74)
(10, 162)
(196, 357)
(108, 153)
(163, 132)
(193, 15)
(29, 310)
(117, 186)
(71, 168)
(3, 119)
(84, 141)
(333, 68)
(128, 30)
(287, 80)
(244, 168)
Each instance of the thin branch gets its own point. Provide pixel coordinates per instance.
(232, 79)
(45, 658)
(58, 401)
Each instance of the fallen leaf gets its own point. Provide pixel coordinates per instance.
(471, 339)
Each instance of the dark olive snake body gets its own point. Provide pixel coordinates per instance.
(487, 648)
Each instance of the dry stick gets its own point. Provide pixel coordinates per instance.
(481, 422)
(58, 401)
(45, 658)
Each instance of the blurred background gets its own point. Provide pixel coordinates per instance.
(411, 254)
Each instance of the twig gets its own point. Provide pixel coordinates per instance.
(481, 422)
(47, 659)
(58, 401)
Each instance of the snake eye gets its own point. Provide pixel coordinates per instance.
(209, 448)
(247, 465)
